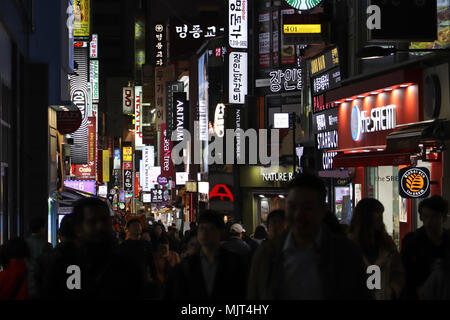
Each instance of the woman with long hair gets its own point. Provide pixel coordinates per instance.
(367, 229)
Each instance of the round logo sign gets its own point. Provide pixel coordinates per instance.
(355, 123)
(415, 182)
(304, 4)
(162, 180)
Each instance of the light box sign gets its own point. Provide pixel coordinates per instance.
(128, 177)
(127, 154)
(166, 150)
(138, 118)
(203, 97)
(159, 45)
(117, 158)
(286, 80)
(83, 186)
(219, 120)
(365, 122)
(128, 100)
(304, 28)
(238, 24)
(180, 113)
(81, 15)
(181, 178)
(304, 4)
(197, 31)
(238, 77)
(325, 121)
(94, 81)
(146, 198)
(324, 62)
(93, 52)
(148, 161)
(106, 169)
(414, 182)
(329, 80)
(157, 196)
(281, 121)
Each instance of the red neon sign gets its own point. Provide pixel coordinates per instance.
(215, 192)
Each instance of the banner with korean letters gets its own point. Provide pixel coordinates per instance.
(238, 24)
(238, 77)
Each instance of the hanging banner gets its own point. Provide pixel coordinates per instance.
(81, 18)
(166, 150)
(89, 171)
(237, 24)
(138, 118)
(238, 77)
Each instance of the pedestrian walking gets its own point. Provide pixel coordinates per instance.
(367, 229)
(276, 223)
(235, 243)
(13, 278)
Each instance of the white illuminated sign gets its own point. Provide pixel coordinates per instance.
(146, 198)
(94, 80)
(383, 118)
(138, 117)
(203, 187)
(277, 176)
(93, 52)
(281, 121)
(196, 31)
(128, 99)
(327, 140)
(238, 86)
(237, 24)
(287, 80)
(219, 120)
(148, 161)
(102, 191)
(181, 178)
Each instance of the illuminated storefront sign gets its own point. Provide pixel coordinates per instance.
(219, 120)
(157, 195)
(304, 4)
(93, 52)
(414, 182)
(166, 150)
(117, 159)
(203, 97)
(320, 105)
(148, 161)
(106, 170)
(238, 24)
(325, 72)
(180, 113)
(138, 117)
(94, 81)
(127, 154)
(380, 119)
(128, 100)
(181, 178)
(325, 121)
(159, 45)
(238, 77)
(281, 121)
(222, 192)
(327, 160)
(81, 14)
(197, 31)
(286, 80)
(128, 176)
(277, 176)
(324, 62)
(302, 28)
(327, 140)
(89, 170)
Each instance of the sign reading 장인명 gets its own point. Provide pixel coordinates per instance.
(414, 182)
(238, 24)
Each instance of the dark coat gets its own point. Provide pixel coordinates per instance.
(419, 254)
(186, 279)
(341, 269)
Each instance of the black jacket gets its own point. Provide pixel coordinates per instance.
(419, 254)
(186, 279)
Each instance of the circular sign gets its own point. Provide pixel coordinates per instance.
(415, 183)
(162, 180)
(304, 4)
(355, 125)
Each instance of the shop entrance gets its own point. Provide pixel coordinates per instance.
(267, 202)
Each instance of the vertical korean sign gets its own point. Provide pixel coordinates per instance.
(238, 77)
(237, 24)
(89, 171)
(138, 117)
(128, 169)
(166, 150)
(162, 75)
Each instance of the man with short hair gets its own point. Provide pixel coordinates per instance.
(104, 272)
(214, 273)
(236, 244)
(276, 223)
(308, 262)
(426, 247)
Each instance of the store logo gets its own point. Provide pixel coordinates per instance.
(414, 182)
(380, 119)
(216, 192)
(355, 124)
(304, 4)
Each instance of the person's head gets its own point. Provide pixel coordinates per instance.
(236, 231)
(163, 245)
(193, 246)
(146, 235)
(210, 228)
(433, 213)
(157, 229)
(276, 223)
(260, 233)
(13, 249)
(92, 220)
(38, 226)
(67, 229)
(306, 207)
(134, 228)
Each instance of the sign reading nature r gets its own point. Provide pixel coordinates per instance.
(304, 4)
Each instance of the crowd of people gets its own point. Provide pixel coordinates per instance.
(303, 253)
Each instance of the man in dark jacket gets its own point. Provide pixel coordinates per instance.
(212, 274)
(308, 262)
(424, 248)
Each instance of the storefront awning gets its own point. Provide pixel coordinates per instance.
(69, 196)
(372, 159)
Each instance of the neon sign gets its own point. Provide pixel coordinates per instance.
(215, 192)
(380, 119)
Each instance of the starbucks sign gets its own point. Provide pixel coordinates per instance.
(304, 4)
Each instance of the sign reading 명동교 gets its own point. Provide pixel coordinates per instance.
(414, 182)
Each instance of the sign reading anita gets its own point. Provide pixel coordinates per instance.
(414, 182)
